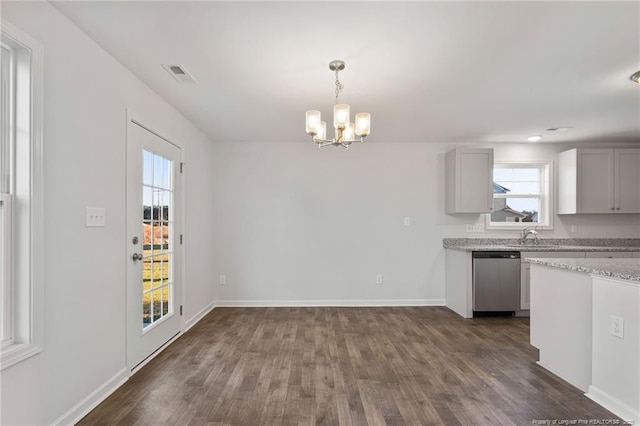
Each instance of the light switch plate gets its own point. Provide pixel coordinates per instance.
(96, 217)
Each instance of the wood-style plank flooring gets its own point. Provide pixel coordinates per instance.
(346, 366)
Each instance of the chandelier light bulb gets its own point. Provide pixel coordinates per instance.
(312, 121)
(322, 130)
(341, 116)
(349, 132)
(363, 123)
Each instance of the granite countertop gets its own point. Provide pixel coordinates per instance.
(624, 269)
(544, 245)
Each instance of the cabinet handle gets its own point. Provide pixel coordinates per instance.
(612, 208)
(617, 208)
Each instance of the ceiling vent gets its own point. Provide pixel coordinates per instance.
(179, 73)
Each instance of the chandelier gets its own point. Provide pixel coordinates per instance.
(345, 130)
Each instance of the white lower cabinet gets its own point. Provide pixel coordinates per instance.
(525, 282)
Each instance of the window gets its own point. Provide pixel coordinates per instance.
(6, 224)
(521, 196)
(20, 196)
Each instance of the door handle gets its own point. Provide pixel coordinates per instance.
(136, 256)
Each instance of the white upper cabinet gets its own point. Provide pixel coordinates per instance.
(599, 181)
(627, 180)
(469, 180)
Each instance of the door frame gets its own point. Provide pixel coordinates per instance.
(152, 127)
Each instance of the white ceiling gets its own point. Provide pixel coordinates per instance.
(486, 72)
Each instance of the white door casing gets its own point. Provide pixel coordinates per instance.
(154, 250)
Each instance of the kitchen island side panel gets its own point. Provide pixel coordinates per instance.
(616, 360)
(561, 322)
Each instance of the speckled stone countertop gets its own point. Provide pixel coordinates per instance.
(544, 244)
(624, 269)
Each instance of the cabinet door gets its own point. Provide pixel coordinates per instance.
(469, 180)
(595, 181)
(627, 181)
(525, 273)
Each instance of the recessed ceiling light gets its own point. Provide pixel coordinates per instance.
(636, 77)
(534, 138)
(558, 129)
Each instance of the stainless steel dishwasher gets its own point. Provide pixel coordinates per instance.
(496, 282)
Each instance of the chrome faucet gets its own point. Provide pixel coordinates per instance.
(525, 232)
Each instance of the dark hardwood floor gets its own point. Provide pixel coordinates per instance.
(346, 366)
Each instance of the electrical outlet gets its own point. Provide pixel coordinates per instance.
(223, 279)
(478, 227)
(407, 221)
(469, 228)
(574, 229)
(379, 279)
(616, 326)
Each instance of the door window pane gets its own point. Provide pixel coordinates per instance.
(147, 169)
(157, 280)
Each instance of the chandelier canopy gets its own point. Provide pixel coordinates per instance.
(345, 130)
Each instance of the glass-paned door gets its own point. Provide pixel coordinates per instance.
(157, 231)
(154, 249)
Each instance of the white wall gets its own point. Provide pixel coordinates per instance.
(294, 223)
(85, 95)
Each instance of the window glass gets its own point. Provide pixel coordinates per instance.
(21, 274)
(6, 224)
(514, 210)
(520, 196)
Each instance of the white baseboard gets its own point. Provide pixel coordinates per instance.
(617, 407)
(582, 388)
(90, 402)
(197, 317)
(333, 303)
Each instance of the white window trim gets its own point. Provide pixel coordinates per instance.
(28, 274)
(5, 287)
(546, 200)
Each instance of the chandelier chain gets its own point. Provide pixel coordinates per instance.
(339, 86)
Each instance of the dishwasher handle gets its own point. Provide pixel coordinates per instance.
(496, 255)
